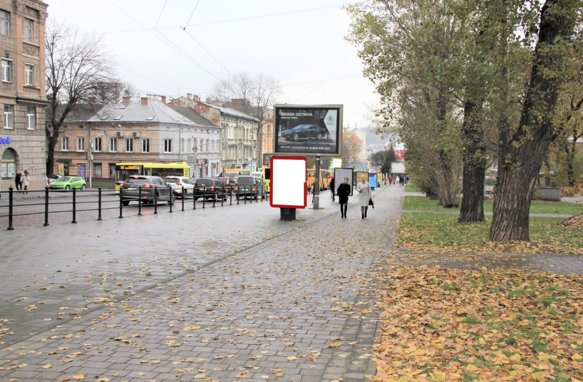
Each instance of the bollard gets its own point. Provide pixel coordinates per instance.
(155, 203)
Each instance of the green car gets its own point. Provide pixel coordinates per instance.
(68, 182)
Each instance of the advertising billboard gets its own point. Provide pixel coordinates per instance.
(288, 182)
(308, 130)
(340, 174)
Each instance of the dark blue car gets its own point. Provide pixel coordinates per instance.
(305, 131)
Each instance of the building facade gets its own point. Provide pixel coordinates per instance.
(22, 91)
(144, 131)
(238, 134)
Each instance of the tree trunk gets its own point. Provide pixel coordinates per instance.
(532, 139)
(51, 143)
(571, 152)
(474, 172)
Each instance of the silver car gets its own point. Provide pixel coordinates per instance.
(145, 187)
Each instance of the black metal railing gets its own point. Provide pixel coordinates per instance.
(60, 206)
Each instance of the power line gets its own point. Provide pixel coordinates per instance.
(191, 14)
(167, 42)
(161, 12)
(224, 21)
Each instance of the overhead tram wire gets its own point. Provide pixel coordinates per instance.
(191, 14)
(167, 42)
(184, 28)
(228, 20)
(160, 15)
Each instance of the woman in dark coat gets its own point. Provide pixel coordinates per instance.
(343, 192)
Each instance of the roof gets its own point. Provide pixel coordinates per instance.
(79, 113)
(232, 112)
(153, 111)
(192, 115)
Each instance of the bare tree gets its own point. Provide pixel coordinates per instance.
(78, 71)
(256, 95)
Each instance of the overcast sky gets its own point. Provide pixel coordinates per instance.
(174, 47)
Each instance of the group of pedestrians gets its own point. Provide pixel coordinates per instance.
(343, 191)
(21, 181)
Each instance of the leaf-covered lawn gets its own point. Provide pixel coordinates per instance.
(480, 325)
(421, 203)
(442, 233)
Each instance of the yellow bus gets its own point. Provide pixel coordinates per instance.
(235, 172)
(125, 169)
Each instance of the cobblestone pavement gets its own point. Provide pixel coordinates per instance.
(221, 294)
(229, 294)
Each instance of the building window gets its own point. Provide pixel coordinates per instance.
(28, 30)
(97, 170)
(31, 117)
(112, 145)
(145, 145)
(6, 70)
(129, 145)
(65, 144)
(167, 145)
(97, 144)
(9, 116)
(28, 75)
(4, 23)
(80, 144)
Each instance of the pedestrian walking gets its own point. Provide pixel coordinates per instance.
(332, 187)
(343, 194)
(365, 196)
(25, 181)
(18, 180)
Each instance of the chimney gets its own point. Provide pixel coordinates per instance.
(189, 96)
(144, 101)
(163, 99)
(125, 100)
(196, 98)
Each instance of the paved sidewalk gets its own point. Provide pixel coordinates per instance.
(224, 294)
(218, 294)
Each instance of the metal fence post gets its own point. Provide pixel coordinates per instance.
(74, 206)
(121, 203)
(183, 196)
(10, 208)
(99, 203)
(46, 207)
(140, 200)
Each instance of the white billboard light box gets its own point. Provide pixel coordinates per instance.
(288, 182)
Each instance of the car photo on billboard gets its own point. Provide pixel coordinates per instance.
(308, 130)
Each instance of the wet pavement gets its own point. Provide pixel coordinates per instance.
(223, 294)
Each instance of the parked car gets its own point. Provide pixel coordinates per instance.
(152, 187)
(209, 188)
(229, 184)
(305, 131)
(179, 183)
(249, 187)
(68, 183)
(52, 178)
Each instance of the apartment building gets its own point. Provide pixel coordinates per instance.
(145, 130)
(22, 91)
(238, 131)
